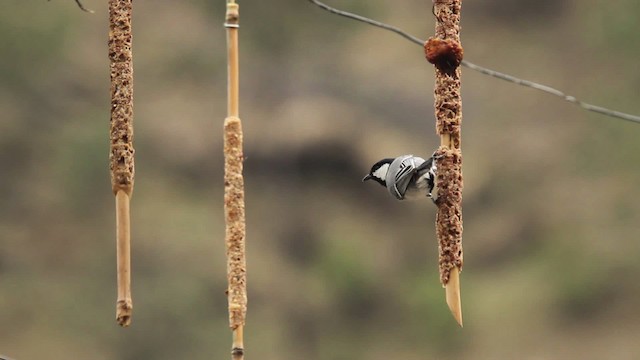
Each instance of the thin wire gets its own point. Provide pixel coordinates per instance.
(81, 6)
(486, 71)
(369, 21)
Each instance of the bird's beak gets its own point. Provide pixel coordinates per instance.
(368, 177)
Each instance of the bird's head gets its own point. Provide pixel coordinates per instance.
(379, 171)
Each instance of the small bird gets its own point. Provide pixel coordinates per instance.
(406, 176)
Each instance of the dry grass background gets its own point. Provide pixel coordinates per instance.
(551, 210)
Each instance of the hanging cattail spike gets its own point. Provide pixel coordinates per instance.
(234, 192)
(445, 52)
(121, 161)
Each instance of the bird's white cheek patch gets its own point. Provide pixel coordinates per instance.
(381, 172)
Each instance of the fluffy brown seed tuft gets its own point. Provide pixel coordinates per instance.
(445, 54)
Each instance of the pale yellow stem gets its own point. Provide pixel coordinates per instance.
(452, 294)
(237, 351)
(233, 89)
(124, 305)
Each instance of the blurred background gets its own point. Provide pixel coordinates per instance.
(337, 269)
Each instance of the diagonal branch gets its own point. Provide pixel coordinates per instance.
(486, 71)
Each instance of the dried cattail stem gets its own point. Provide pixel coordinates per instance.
(121, 155)
(234, 192)
(445, 52)
(124, 304)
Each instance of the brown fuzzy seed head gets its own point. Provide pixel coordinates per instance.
(449, 215)
(445, 54)
(235, 235)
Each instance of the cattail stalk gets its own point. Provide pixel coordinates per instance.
(234, 192)
(445, 52)
(121, 155)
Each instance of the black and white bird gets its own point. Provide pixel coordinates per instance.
(406, 176)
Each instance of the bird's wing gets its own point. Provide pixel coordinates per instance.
(403, 177)
(425, 165)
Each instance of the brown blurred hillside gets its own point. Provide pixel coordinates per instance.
(336, 269)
